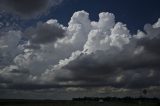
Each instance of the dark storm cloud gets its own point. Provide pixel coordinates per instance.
(133, 72)
(152, 44)
(44, 33)
(17, 71)
(11, 74)
(30, 86)
(27, 8)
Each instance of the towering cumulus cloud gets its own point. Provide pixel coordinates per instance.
(86, 55)
(27, 8)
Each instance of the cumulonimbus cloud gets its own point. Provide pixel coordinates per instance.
(113, 57)
(90, 54)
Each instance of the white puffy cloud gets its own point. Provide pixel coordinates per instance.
(157, 24)
(99, 35)
(78, 29)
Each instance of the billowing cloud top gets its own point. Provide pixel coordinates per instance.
(101, 55)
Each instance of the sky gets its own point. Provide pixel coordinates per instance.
(60, 49)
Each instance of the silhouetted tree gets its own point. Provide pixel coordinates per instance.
(144, 92)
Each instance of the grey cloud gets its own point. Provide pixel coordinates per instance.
(27, 8)
(130, 73)
(44, 33)
(12, 75)
(134, 71)
(152, 42)
(9, 47)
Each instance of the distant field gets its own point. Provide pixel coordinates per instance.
(78, 103)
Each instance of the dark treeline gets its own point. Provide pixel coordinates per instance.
(102, 99)
(86, 101)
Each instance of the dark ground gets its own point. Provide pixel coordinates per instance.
(76, 103)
